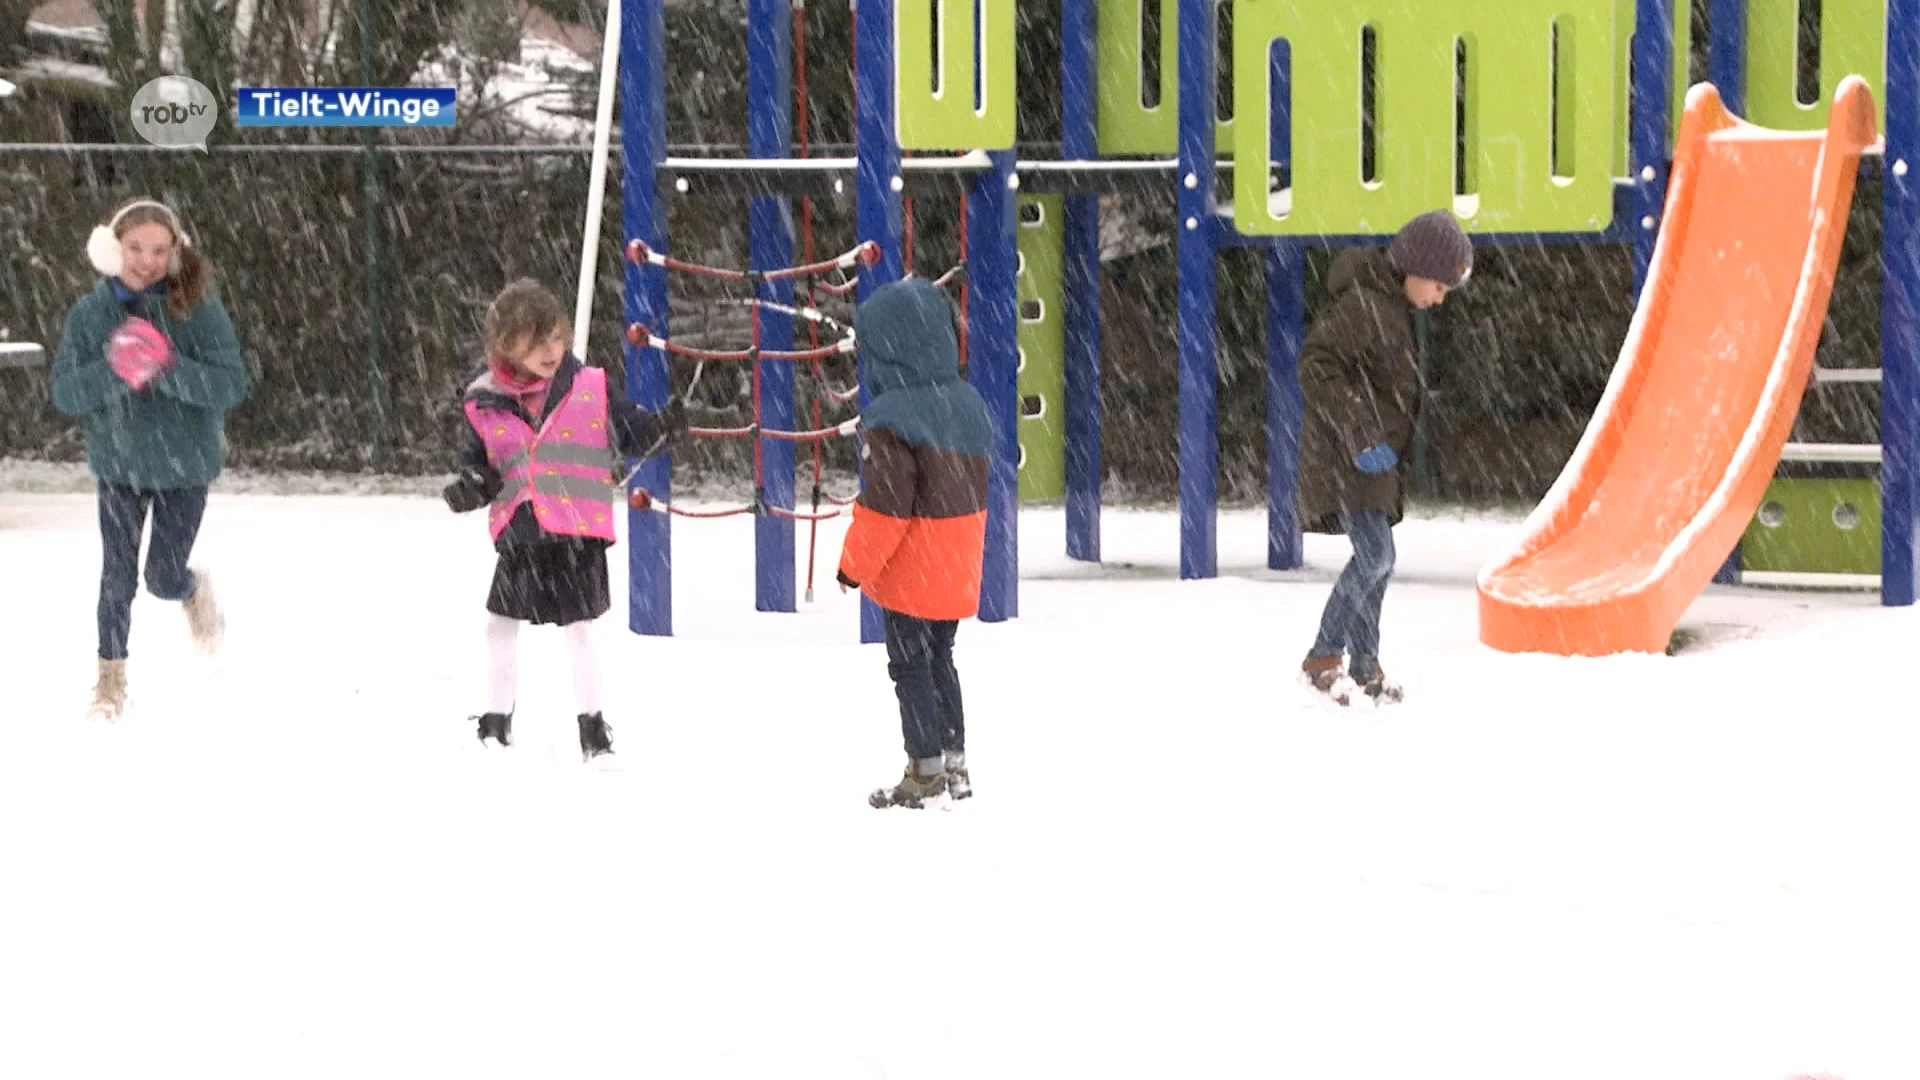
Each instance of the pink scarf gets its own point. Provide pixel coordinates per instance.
(529, 391)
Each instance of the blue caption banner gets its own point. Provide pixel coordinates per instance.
(345, 106)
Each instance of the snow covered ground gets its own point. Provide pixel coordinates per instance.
(293, 860)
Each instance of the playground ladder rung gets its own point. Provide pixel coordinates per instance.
(1846, 375)
(1865, 452)
(1807, 579)
(18, 354)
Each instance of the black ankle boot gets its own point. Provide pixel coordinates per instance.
(596, 737)
(498, 727)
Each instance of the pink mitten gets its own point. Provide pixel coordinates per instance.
(138, 352)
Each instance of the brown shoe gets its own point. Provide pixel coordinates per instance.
(204, 620)
(1321, 671)
(110, 691)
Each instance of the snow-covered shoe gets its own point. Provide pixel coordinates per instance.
(497, 726)
(1375, 689)
(204, 620)
(1322, 672)
(958, 784)
(913, 791)
(596, 737)
(110, 690)
(1383, 691)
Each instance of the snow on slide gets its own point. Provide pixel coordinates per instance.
(1687, 435)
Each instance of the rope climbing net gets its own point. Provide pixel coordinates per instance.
(640, 336)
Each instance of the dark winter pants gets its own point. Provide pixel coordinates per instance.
(123, 515)
(1351, 621)
(920, 659)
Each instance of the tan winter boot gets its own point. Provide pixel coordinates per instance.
(110, 691)
(1322, 672)
(204, 620)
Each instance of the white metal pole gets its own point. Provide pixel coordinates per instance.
(597, 186)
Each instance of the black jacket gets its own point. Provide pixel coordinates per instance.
(1360, 376)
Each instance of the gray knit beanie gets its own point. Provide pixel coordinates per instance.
(1435, 247)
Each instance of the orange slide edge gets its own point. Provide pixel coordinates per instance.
(1640, 617)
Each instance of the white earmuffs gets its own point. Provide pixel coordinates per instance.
(103, 245)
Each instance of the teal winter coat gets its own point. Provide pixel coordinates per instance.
(172, 434)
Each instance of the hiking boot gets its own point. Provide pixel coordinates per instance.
(1377, 687)
(498, 727)
(110, 690)
(913, 791)
(1321, 672)
(204, 620)
(596, 737)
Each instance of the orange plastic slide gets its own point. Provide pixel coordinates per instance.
(1686, 437)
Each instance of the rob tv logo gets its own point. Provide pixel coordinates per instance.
(174, 110)
(171, 112)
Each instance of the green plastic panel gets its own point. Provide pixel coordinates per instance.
(1513, 182)
(1041, 337)
(1853, 41)
(1805, 538)
(1126, 124)
(942, 116)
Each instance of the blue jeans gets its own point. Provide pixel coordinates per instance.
(123, 517)
(920, 660)
(1351, 621)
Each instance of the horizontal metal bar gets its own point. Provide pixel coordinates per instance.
(1846, 375)
(1856, 452)
(1794, 579)
(21, 355)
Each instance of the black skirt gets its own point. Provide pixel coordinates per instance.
(559, 582)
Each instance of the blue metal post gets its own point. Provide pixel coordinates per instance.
(877, 170)
(1900, 311)
(643, 135)
(1286, 316)
(1286, 408)
(1727, 71)
(992, 307)
(770, 235)
(1727, 52)
(1081, 271)
(1650, 122)
(1198, 442)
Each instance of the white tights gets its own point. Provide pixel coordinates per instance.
(503, 673)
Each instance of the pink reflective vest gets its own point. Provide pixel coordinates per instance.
(565, 469)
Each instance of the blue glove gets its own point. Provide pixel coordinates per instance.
(1377, 459)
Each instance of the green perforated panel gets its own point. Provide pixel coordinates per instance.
(1853, 41)
(1126, 124)
(1512, 184)
(942, 116)
(1809, 526)
(1042, 340)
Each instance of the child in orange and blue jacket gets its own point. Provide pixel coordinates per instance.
(919, 527)
(544, 434)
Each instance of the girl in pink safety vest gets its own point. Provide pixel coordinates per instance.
(547, 436)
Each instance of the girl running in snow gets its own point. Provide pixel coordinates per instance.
(545, 432)
(150, 365)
